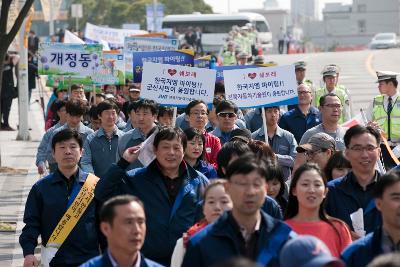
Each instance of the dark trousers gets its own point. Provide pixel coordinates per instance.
(281, 43)
(5, 110)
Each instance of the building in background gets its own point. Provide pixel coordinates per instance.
(353, 25)
(303, 11)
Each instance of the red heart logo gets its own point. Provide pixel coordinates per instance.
(172, 72)
(252, 75)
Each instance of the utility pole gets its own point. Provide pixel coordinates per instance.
(154, 15)
(23, 99)
(51, 15)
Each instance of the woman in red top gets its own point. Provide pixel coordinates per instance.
(216, 201)
(305, 212)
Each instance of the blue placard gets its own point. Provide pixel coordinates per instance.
(202, 63)
(163, 57)
(220, 70)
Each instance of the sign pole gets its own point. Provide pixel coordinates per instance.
(174, 116)
(265, 125)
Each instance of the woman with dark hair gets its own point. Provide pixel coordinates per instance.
(305, 212)
(277, 188)
(337, 166)
(194, 153)
(262, 150)
(216, 201)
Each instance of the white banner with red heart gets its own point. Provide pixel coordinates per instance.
(261, 87)
(174, 85)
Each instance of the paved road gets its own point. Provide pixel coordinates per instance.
(357, 74)
(357, 70)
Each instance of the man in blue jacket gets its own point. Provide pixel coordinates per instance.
(246, 230)
(50, 198)
(123, 222)
(100, 147)
(384, 239)
(354, 192)
(169, 188)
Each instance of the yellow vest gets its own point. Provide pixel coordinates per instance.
(229, 58)
(380, 115)
(339, 92)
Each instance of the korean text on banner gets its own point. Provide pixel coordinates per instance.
(115, 37)
(164, 57)
(220, 70)
(135, 44)
(111, 69)
(173, 85)
(261, 87)
(69, 59)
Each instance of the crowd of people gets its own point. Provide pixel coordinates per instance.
(127, 184)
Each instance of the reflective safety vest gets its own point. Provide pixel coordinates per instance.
(340, 93)
(380, 115)
(229, 58)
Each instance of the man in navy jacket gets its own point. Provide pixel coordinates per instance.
(384, 239)
(123, 222)
(50, 198)
(354, 191)
(246, 230)
(169, 188)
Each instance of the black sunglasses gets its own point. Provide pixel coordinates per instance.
(227, 114)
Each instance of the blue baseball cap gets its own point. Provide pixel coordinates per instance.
(307, 251)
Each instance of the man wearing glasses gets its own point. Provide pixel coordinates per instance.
(330, 109)
(197, 116)
(303, 116)
(226, 116)
(330, 76)
(350, 198)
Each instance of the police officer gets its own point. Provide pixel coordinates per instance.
(300, 71)
(229, 56)
(329, 75)
(384, 112)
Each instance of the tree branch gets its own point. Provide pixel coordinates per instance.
(18, 22)
(5, 8)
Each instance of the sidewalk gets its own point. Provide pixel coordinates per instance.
(14, 188)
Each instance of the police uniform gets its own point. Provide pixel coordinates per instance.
(229, 56)
(385, 111)
(338, 90)
(301, 65)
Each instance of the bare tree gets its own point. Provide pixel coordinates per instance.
(7, 37)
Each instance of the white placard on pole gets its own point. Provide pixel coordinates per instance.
(261, 87)
(174, 85)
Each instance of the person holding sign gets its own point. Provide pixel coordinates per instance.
(123, 222)
(350, 198)
(170, 189)
(145, 117)
(281, 141)
(226, 115)
(68, 232)
(385, 239)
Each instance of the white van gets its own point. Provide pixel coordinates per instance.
(215, 27)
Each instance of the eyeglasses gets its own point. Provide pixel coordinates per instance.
(303, 92)
(244, 185)
(199, 114)
(360, 149)
(312, 153)
(333, 106)
(227, 114)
